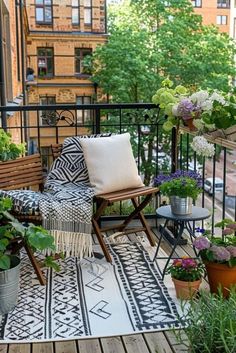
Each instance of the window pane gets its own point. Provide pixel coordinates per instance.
(41, 52)
(224, 20)
(87, 16)
(86, 52)
(48, 14)
(75, 16)
(77, 65)
(39, 14)
(77, 51)
(75, 3)
(218, 20)
(42, 62)
(48, 2)
(87, 3)
(39, 2)
(50, 66)
(78, 100)
(87, 100)
(48, 52)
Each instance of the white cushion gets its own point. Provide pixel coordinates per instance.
(110, 162)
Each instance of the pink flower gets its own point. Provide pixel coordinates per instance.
(232, 250)
(220, 253)
(201, 243)
(227, 231)
(231, 225)
(186, 263)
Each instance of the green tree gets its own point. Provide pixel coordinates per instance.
(150, 40)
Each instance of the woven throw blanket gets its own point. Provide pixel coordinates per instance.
(67, 202)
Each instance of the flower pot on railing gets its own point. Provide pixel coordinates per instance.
(221, 277)
(181, 205)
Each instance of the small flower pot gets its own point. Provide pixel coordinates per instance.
(221, 277)
(186, 290)
(181, 205)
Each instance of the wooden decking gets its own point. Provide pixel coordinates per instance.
(157, 342)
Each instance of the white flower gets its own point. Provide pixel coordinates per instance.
(218, 97)
(202, 147)
(175, 110)
(199, 97)
(199, 124)
(207, 105)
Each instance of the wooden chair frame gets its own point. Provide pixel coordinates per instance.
(22, 173)
(108, 199)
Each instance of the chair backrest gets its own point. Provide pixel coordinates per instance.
(22, 172)
(56, 150)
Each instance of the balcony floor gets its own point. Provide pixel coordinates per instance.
(154, 342)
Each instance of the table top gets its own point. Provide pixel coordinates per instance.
(198, 214)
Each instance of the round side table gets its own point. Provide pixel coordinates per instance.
(182, 222)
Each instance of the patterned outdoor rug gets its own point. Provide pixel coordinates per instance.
(92, 298)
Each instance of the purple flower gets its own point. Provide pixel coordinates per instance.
(201, 243)
(232, 250)
(185, 109)
(220, 253)
(188, 262)
(200, 230)
(160, 179)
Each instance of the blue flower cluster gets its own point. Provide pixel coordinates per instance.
(160, 179)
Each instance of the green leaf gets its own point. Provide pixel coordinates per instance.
(5, 262)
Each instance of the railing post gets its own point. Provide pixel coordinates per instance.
(97, 120)
(174, 150)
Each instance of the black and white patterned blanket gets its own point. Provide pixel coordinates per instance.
(66, 204)
(67, 200)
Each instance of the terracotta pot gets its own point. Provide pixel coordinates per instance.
(220, 276)
(186, 290)
(190, 125)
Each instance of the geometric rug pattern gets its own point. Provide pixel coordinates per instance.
(91, 298)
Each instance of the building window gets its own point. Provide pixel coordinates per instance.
(47, 117)
(197, 3)
(43, 10)
(83, 116)
(45, 62)
(80, 54)
(87, 12)
(223, 4)
(75, 12)
(221, 20)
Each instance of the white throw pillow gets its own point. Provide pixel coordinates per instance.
(110, 162)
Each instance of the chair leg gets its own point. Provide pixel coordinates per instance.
(35, 265)
(96, 227)
(144, 223)
(101, 240)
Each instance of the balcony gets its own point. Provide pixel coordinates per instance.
(41, 126)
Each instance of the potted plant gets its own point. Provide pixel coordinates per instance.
(219, 256)
(209, 324)
(10, 230)
(186, 273)
(182, 187)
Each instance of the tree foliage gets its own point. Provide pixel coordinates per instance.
(150, 40)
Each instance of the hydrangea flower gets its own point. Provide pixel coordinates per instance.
(201, 243)
(202, 147)
(220, 253)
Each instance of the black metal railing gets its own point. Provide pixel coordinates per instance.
(41, 126)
